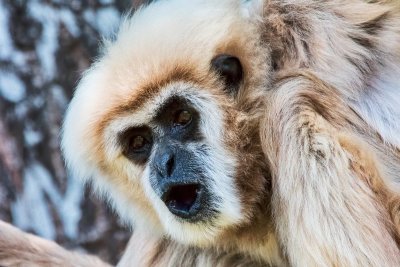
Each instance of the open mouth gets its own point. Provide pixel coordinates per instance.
(183, 200)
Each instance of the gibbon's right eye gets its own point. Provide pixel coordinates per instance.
(137, 143)
(231, 71)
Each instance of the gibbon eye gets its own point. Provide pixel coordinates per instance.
(183, 118)
(230, 70)
(137, 142)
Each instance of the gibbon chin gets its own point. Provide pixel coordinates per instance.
(247, 133)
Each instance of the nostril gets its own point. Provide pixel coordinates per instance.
(170, 165)
(165, 164)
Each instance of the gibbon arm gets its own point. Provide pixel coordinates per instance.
(144, 250)
(328, 199)
(21, 249)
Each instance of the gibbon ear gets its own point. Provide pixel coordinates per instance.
(253, 9)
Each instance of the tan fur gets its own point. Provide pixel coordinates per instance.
(345, 212)
(330, 174)
(18, 249)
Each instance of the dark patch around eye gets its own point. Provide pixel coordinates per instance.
(129, 143)
(167, 115)
(230, 70)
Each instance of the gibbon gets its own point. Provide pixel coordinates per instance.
(247, 133)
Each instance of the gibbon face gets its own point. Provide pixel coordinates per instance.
(165, 123)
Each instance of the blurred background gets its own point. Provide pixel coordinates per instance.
(45, 45)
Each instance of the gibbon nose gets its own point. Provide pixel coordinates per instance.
(165, 163)
(177, 182)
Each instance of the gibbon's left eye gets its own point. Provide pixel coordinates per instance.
(182, 117)
(230, 69)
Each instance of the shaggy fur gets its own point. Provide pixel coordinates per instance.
(304, 161)
(18, 249)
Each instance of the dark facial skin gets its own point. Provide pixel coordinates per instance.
(178, 176)
(177, 173)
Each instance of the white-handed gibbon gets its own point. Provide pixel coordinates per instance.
(247, 133)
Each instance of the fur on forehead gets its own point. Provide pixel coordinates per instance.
(175, 34)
